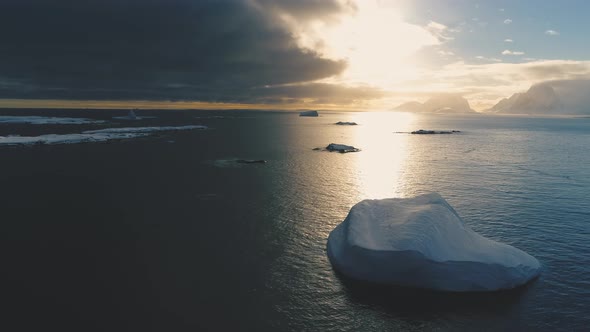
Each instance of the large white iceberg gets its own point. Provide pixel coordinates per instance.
(422, 242)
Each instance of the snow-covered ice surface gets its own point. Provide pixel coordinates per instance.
(422, 242)
(65, 138)
(42, 120)
(101, 135)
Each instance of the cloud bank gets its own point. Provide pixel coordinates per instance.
(216, 51)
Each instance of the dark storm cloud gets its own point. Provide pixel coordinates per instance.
(307, 9)
(208, 50)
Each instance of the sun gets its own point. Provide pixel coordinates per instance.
(375, 41)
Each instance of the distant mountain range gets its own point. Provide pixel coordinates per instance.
(547, 98)
(438, 104)
(539, 99)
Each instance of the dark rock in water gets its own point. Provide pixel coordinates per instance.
(341, 148)
(309, 113)
(344, 123)
(250, 161)
(434, 132)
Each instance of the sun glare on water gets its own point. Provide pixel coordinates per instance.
(383, 160)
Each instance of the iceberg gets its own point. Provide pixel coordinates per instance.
(341, 148)
(422, 242)
(309, 113)
(132, 116)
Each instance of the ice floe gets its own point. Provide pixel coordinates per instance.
(434, 132)
(65, 138)
(100, 135)
(422, 242)
(341, 148)
(143, 129)
(43, 120)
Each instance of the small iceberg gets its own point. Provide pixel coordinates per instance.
(434, 132)
(345, 123)
(309, 113)
(131, 116)
(341, 148)
(422, 242)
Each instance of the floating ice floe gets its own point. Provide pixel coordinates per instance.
(422, 242)
(101, 135)
(65, 138)
(309, 113)
(341, 148)
(143, 129)
(43, 120)
(434, 132)
(346, 123)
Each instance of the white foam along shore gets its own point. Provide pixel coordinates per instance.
(422, 242)
(44, 120)
(101, 135)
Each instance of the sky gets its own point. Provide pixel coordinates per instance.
(285, 54)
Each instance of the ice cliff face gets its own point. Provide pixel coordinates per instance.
(422, 242)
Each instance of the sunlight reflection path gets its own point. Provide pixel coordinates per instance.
(382, 162)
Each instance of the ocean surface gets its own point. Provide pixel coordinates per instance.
(169, 233)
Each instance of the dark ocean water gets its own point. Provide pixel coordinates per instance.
(166, 233)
